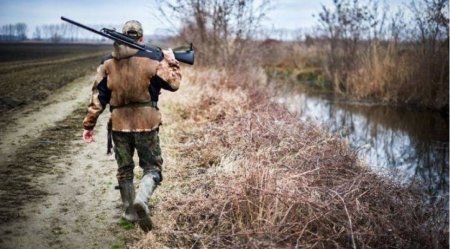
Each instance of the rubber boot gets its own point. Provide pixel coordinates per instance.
(127, 193)
(146, 189)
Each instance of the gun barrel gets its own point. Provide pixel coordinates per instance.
(84, 27)
(105, 34)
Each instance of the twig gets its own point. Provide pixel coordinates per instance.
(348, 215)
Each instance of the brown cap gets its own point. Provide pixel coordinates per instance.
(133, 28)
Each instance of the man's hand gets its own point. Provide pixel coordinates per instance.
(168, 55)
(88, 136)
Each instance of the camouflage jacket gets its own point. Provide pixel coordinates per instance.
(129, 80)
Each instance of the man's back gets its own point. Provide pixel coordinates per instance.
(130, 81)
(129, 73)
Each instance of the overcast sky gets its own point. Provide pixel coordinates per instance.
(286, 14)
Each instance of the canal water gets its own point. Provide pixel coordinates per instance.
(408, 144)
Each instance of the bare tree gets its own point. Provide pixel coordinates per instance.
(221, 29)
(432, 31)
(37, 34)
(397, 26)
(21, 31)
(345, 26)
(431, 19)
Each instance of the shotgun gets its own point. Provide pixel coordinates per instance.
(186, 56)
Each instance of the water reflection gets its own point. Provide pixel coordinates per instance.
(411, 145)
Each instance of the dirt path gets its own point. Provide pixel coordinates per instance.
(29, 123)
(56, 191)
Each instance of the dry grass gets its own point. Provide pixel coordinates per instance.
(387, 72)
(401, 75)
(250, 175)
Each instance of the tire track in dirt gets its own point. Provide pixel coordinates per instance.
(27, 140)
(6, 67)
(57, 192)
(25, 125)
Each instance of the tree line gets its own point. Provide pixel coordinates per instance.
(13, 32)
(63, 32)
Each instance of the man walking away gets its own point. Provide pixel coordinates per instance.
(130, 81)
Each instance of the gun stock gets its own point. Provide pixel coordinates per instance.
(185, 55)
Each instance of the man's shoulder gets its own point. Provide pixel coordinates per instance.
(105, 58)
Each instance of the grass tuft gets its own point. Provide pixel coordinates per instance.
(123, 223)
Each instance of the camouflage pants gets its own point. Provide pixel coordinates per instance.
(147, 147)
